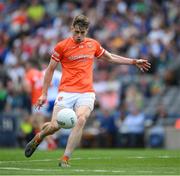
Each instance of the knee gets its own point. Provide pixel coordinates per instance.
(81, 121)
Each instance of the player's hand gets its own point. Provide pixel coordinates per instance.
(42, 99)
(143, 64)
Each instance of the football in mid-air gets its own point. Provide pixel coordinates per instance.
(66, 118)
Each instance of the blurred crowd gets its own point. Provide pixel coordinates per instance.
(138, 29)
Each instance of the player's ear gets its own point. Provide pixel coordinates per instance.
(87, 31)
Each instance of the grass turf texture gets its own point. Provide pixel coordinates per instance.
(92, 162)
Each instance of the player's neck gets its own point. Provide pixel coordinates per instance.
(76, 42)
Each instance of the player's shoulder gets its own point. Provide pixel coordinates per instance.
(91, 40)
(62, 45)
(62, 42)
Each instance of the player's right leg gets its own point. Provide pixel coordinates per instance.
(47, 129)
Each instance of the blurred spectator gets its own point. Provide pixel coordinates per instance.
(156, 134)
(107, 128)
(19, 20)
(36, 11)
(131, 129)
(32, 81)
(134, 97)
(161, 116)
(156, 86)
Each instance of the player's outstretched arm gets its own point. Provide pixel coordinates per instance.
(46, 83)
(142, 64)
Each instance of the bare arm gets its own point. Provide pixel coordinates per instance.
(48, 76)
(47, 81)
(142, 64)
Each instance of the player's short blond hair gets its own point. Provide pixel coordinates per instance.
(82, 21)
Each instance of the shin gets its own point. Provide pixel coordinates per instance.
(48, 129)
(76, 133)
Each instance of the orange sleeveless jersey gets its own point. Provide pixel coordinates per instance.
(77, 63)
(35, 78)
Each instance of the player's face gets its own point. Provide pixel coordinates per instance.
(79, 33)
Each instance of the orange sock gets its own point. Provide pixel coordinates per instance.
(66, 158)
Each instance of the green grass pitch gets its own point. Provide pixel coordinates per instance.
(92, 162)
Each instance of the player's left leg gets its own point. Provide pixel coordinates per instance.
(83, 107)
(83, 113)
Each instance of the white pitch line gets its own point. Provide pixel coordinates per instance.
(136, 157)
(17, 168)
(150, 172)
(146, 157)
(47, 160)
(77, 170)
(51, 170)
(21, 161)
(88, 158)
(165, 157)
(92, 158)
(95, 158)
